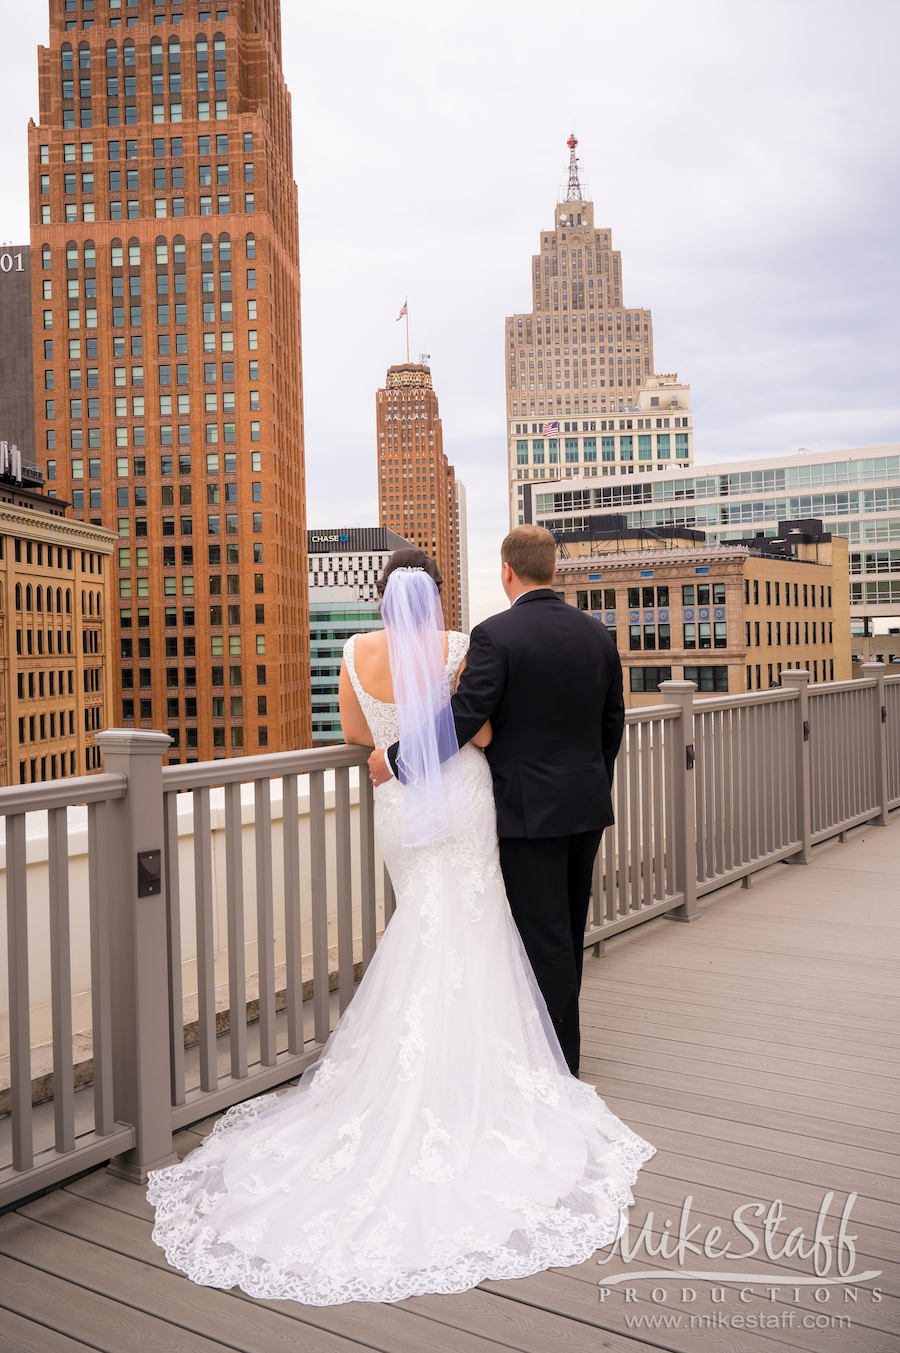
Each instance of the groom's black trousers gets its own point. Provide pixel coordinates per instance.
(548, 883)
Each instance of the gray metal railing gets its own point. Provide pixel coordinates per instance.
(301, 901)
(270, 897)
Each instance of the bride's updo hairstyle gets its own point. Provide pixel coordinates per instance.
(409, 558)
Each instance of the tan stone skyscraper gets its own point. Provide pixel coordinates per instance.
(417, 486)
(580, 355)
(166, 299)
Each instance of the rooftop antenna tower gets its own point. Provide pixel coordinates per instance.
(574, 192)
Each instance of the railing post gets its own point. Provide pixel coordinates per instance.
(684, 804)
(798, 678)
(879, 735)
(138, 953)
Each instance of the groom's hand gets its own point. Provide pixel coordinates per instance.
(379, 771)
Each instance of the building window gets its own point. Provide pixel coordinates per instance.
(644, 679)
(712, 678)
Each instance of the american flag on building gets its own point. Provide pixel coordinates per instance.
(547, 429)
(403, 312)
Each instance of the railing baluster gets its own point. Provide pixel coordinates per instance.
(234, 905)
(61, 979)
(265, 923)
(595, 916)
(669, 816)
(343, 880)
(646, 892)
(658, 826)
(609, 869)
(623, 772)
(367, 866)
(19, 1013)
(173, 932)
(293, 917)
(101, 997)
(319, 894)
(206, 959)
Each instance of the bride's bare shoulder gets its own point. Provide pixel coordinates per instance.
(371, 642)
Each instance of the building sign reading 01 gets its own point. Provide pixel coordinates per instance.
(11, 263)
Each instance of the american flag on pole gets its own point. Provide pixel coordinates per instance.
(403, 312)
(547, 429)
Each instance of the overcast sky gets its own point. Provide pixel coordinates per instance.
(745, 158)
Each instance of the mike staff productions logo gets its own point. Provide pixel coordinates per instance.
(790, 1270)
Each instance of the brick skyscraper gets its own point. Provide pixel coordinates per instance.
(166, 296)
(417, 485)
(578, 356)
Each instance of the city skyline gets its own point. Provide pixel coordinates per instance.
(733, 170)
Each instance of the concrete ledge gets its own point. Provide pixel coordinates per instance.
(82, 1043)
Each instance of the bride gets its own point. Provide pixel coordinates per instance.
(440, 1139)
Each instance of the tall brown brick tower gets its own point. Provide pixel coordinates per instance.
(166, 297)
(417, 484)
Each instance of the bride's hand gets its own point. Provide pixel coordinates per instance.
(483, 737)
(379, 772)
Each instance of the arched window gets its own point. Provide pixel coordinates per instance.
(112, 54)
(251, 246)
(67, 60)
(49, 600)
(90, 603)
(39, 599)
(71, 254)
(98, 603)
(224, 248)
(68, 601)
(116, 257)
(128, 53)
(29, 598)
(162, 249)
(174, 52)
(219, 47)
(18, 596)
(59, 601)
(202, 48)
(178, 249)
(90, 254)
(134, 253)
(45, 257)
(83, 603)
(84, 56)
(206, 249)
(156, 50)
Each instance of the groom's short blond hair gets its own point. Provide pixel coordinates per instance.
(530, 552)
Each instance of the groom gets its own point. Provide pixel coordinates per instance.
(548, 678)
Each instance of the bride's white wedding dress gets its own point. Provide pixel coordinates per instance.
(440, 1139)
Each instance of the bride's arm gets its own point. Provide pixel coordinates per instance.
(353, 721)
(483, 737)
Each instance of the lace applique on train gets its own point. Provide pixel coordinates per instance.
(440, 1098)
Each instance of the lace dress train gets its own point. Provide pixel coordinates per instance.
(440, 1139)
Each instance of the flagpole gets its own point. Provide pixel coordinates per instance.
(407, 331)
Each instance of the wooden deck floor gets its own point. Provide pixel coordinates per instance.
(757, 1049)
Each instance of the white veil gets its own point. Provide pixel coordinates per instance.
(434, 802)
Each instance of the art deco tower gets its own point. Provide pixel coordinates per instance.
(418, 490)
(166, 296)
(580, 355)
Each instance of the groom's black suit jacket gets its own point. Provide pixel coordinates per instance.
(549, 679)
